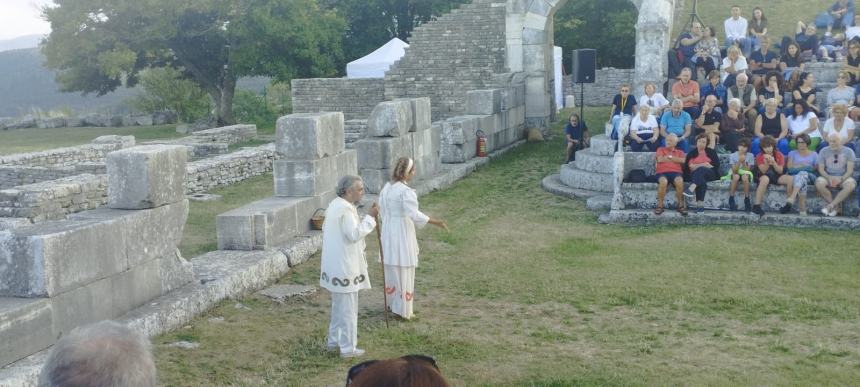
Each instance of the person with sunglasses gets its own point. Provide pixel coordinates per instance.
(623, 105)
(835, 169)
(343, 267)
(405, 371)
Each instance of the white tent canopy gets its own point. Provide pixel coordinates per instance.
(375, 64)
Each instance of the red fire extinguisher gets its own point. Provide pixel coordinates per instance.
(482, 143)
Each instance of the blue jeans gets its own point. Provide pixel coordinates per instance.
(744, 43)
(825, 19)
(700, 178)
(646, 145)
(616, 119)
(781, 145)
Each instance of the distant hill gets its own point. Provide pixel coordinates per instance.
(27, 41)
(26, 84)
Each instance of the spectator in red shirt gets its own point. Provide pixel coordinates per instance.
(769, 168)
(669, 169)
(703, 165)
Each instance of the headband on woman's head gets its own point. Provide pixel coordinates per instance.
(408, 165)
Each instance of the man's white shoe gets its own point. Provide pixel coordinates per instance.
(356, 353)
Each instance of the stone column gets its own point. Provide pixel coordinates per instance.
(653, 30)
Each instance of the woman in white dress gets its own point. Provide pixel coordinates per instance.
(398, 207)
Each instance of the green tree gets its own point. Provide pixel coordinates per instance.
(372, 23)
(165, 89)
(588, 24)
(97, 46)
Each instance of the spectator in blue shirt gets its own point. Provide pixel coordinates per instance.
(623, 104)
(807, 39)
(678, 122)
(715, 88)
(762, 61)
(576, 134)
(839, 15)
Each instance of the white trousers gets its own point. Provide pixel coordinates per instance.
(400, 289)
(343, 328)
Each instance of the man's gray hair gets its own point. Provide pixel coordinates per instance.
(345, 183)
(677, 102)
(102, 354)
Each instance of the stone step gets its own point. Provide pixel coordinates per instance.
(588, 160)
(647, 218)
(644, 196)
(599, 203)
(26, 327)
(602, 145)
(577, 178)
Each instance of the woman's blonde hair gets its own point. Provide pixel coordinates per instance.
(402, 168)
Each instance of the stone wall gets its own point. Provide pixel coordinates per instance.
(53, 200)
(64, 156)
(355, 98)
(498, 113)
(600, 93)
(223, 170)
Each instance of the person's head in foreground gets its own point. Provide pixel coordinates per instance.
(406, 371)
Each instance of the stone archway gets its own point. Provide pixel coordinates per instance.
(529, 34)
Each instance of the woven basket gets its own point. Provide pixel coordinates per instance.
(317, 219)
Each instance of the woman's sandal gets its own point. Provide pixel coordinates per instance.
(658, 210)
(682, 211)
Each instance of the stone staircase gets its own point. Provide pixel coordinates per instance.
(590, 175)
(457, 52)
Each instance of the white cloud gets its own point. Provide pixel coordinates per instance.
(22, 17)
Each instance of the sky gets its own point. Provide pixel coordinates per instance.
(22, 17)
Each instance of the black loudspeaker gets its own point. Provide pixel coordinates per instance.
(584, 64)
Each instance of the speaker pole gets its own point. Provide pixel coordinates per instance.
(581, 102)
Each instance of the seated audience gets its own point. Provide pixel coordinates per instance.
(669, 169)
(802, 165)
(707, 51)
(840, 125)
(762, 61)
(742, 164)
(644, 131)
(656, 101)
(623, 105)
(770, 169)
(682, 56)
(835, 170)
(771, 123)
(806, 91)
(736, 28)
(733, 127)
(842, 93)
(678, 122)
(840, 15)
(758, 28)
(703, 165)
(103, 354)
(803, 121)
(746, 93)
(405, 371)
(772, 89)
(714, 88)
(851, 64)
(832, 48)
(791, 63)
(687, 90)
(709, 121)
(807, 40)
(576, 134)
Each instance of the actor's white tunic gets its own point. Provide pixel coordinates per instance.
(398, 205)
(344, 266)
(344, 270)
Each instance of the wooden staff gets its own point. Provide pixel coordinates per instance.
(382, 260)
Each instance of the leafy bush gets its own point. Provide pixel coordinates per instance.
(252, 108)
(165, 89)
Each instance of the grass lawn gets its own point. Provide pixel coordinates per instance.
(528, 290)
(782, 15)
(31, 140)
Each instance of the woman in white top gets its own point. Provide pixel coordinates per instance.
(643, 137)
(803, 121)
(656, 101)
(733, 64)
(840, 125)
(398, 206)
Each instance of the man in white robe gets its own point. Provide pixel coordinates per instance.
(344, 265)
